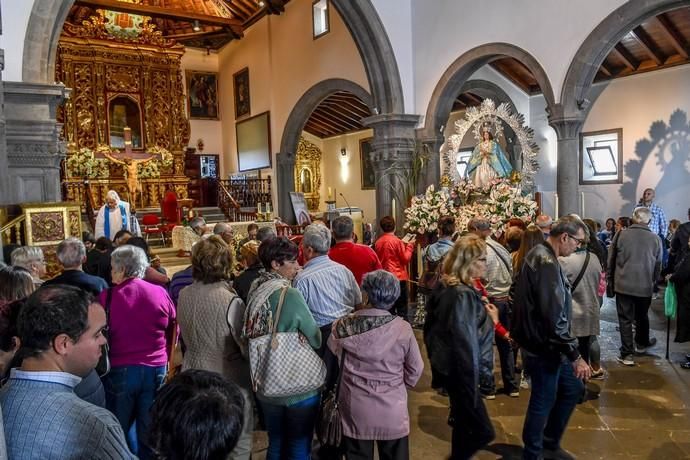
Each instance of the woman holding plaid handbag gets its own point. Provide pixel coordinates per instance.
(290, 419)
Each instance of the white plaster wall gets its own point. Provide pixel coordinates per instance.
(518, 96)
(634, 103)
(550, 30)
(545, 138)
(15, 20)
(344, 174)
(208, 130)
(396, 16)
(284, 61)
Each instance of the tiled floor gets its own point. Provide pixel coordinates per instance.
(640, 412)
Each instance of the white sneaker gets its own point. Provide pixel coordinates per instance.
(524, 381)
(626, 360)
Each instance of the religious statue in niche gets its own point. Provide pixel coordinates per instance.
(488, 161)
(305, 181)
(123, 115)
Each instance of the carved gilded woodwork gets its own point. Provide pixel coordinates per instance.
(99, 65)
(152, 190)
(308, 172)
(47, 224)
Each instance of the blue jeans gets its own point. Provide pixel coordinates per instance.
(555, 392)
(290, 429)
(129, 394)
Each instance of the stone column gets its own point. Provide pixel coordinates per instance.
(567, 170)
(285, 183)
(393, 153)
(34, 144)
(431, 147)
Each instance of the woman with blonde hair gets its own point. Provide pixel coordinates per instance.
(457, 333)
(211, 317)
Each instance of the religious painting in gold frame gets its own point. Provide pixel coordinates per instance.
(124, 111)
(240, 84)
(202, 95)
(366, 164)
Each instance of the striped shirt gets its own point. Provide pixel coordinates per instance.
(329, 288)
(499, 271)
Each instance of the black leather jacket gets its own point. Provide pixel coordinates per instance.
(457, 334)
(542, 307)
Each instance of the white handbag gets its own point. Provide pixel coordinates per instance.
(283, 363)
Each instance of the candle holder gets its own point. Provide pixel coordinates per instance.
(330, 205)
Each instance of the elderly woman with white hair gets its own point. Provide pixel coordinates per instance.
(141, 324)
(32, 259)
(379, 359)
(113, 216)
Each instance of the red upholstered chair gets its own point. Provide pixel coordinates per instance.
(152, 224)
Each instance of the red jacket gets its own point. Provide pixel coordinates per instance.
(360, 259)
(394, 255)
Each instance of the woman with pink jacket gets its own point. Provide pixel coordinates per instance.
(380, 359)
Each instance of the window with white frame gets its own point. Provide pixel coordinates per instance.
(320, 18)
(601, 155)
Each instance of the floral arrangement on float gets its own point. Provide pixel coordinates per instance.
(488, 186)
(83, 163)
(498, 202)
(425, 210)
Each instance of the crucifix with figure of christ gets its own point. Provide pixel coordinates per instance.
(130, 165)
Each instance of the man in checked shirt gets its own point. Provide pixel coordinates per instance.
(658, 225)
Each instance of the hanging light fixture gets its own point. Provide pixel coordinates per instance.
(262, 3)
(196, 27)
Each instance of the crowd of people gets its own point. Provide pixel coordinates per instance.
(113, 359)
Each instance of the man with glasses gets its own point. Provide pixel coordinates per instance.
(542, 313)
(634, 264)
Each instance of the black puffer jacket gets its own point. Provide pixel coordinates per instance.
(542, 307)
(457, 334)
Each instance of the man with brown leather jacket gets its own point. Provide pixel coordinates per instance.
(541, 325)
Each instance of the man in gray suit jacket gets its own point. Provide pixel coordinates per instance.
(634, 264)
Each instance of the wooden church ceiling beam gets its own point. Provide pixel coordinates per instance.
(329, 124)
(626, 57)
(641, 37)
(344, 111)
(671, 33)
(165, 13)
(606, 70)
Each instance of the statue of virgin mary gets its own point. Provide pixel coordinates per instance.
(488, 161)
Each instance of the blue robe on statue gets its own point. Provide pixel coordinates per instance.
(488, 161)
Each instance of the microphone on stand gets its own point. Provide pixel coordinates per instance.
(349, 208)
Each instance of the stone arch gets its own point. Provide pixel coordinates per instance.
(309, 101)
(41, 39)
(576, 94)
(293, 129)
(486, 89)
(451, 84)
(48, 16)
(459, 72)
